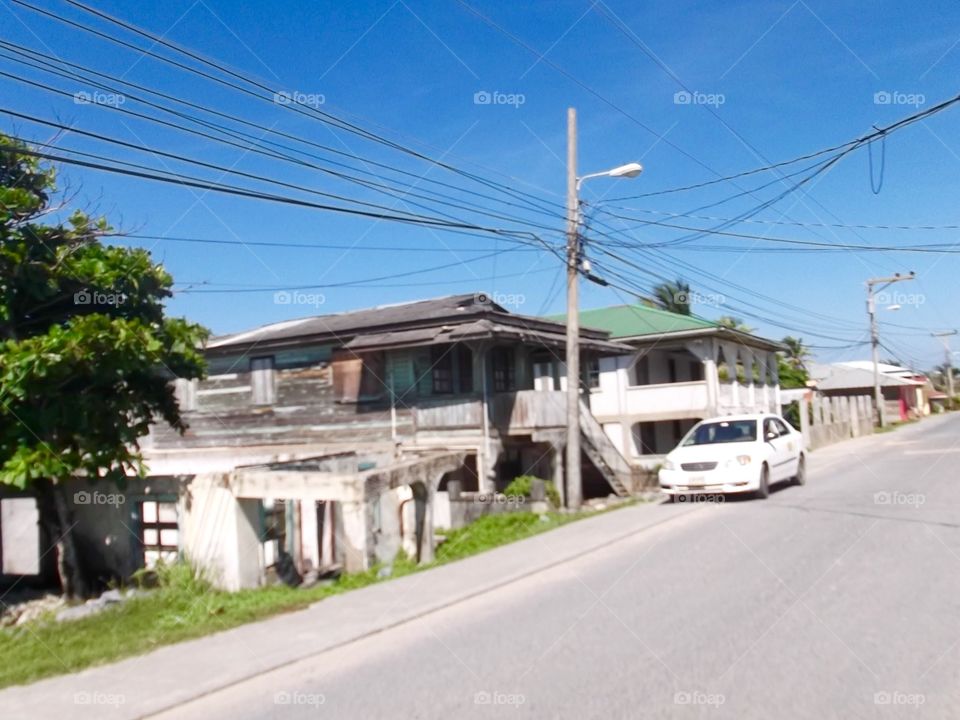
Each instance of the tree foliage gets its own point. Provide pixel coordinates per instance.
(734, 323)
(673, 297)
(86, 352)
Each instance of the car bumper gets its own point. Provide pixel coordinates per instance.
(736, 480)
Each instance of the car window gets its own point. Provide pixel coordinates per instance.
(722, 431)
(781, 426)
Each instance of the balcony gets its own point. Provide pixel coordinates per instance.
(513, 412)
(667, 400)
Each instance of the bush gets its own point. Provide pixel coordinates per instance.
(523, 485)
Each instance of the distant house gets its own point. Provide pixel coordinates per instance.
(337, 440)
(906, 393)
(680, 369)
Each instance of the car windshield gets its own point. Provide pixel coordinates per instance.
(723, 432)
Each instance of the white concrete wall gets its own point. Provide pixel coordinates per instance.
(220, 533)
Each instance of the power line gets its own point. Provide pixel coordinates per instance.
(269, 153)
(295, 105)
(941, 248)
(309, 246)
(756, 221)
(189, 181)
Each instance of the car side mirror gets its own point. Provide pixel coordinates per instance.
(772, 436)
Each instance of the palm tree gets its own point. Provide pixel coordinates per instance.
(673, 297)
(796, 353)
(733, 323)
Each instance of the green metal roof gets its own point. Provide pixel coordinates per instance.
(623, 321)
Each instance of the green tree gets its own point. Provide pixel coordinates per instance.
(673, 296)
(734, 323)
(86, 352)
(794, 358)
(791, 376)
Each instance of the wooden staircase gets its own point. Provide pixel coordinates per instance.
(604, 454)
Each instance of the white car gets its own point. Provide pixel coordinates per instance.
(735, 454)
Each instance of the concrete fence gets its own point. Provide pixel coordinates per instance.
(827, 420)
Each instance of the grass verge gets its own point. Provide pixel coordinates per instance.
(185, 606)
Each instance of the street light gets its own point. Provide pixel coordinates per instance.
(574, 489)
(630, 170)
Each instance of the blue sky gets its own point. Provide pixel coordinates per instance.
(770, 81)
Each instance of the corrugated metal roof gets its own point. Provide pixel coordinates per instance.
(475, 330)
(860, 378)
(635, 320)
(421, 319)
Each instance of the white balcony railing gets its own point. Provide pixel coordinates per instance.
(682, 399)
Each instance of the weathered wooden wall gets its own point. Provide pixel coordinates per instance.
(305, 410)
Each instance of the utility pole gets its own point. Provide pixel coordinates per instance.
(942, 337)
(574, 494)
(574, 483)
(875, 336)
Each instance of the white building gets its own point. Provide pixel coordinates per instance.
(683, 369)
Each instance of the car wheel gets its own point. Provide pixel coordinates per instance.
(801, 477)
(763, 492)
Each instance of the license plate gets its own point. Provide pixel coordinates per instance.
(696, 480)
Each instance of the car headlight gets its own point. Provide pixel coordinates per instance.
(669, 465)
(739, 460)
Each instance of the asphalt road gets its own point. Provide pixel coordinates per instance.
(840, 599)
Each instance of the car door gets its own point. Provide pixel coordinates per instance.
(794, 444)
(780, 456)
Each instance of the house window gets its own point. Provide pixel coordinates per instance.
(465, 368)
(645, 438)
(696, 370)
(641, 371)
(672, 369)
(677, 431)
(441, 369)
(159, 532)
(262, 380)
(593, 373)
(504, 371)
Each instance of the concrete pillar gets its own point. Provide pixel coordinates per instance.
(221, 533)
(356, 535)
(854, 417)
(805, 421)
(557, 452)
(426, 541)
